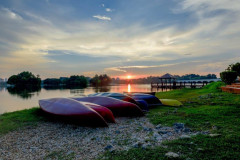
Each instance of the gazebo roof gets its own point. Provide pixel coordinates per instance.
(167, 76)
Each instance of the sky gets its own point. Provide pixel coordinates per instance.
(59, 38)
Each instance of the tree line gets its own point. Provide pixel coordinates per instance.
(29, 79)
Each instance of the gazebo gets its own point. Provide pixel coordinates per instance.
(168, 78)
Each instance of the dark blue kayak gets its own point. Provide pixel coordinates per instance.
(143, 105)
(150, 99)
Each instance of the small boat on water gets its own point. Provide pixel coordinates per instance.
(73, 111)
(118, 107)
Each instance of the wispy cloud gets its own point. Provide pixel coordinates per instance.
(105, 18)
(108, 9)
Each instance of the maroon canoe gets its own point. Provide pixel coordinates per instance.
(103, 111)
(118, 107)
(72, 110)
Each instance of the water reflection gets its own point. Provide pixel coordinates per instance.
(18, 98)
(102, 89)
(129, 87)
(24, 92)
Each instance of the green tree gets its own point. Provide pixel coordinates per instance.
(102, 80)
(24, 78)
(77, 81)
(234, 67)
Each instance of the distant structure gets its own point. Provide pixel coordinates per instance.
(1, 80)
(168, 81)
(167, 78)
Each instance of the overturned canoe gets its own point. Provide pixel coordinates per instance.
(119, 96)
(103, 111)
(149, 99)
(73, 111)
(118, 107)
(171, 102)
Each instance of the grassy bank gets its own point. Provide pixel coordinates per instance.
(19, 119)
(206, 109)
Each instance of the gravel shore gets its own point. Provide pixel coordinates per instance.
(49, 140)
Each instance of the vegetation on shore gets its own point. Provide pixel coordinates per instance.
(206, 109)
(24, 78)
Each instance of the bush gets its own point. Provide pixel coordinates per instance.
(228, 77)
(234, 67)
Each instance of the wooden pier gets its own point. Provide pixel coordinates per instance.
(181, 84)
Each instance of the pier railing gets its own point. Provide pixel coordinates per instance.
(181, 84)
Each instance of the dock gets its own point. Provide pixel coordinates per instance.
(181, 84)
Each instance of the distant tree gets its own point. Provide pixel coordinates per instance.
(77, 81)
(101, 80)
(24, 78)
(52, 81)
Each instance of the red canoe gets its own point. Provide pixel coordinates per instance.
(118, 107)
(72, 110)
(103, 111)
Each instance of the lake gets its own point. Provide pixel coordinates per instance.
(12, 99)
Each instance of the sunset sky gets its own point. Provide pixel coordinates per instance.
(56, 38)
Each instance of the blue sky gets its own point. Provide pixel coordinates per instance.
(56, 38)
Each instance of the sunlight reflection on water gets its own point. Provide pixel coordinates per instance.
(12, 100)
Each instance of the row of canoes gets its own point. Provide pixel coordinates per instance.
(100, 108)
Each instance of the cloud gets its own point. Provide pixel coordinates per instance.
(105, 18)
(10, 14)
(124, 68)
(108, 10)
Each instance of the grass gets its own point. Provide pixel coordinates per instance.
(205, 109)
(19, 119)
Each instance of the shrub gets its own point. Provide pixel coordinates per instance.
(234, 67)
(228, 77)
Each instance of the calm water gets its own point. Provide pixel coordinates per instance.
(12, 99)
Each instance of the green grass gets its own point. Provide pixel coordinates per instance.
(19, 119)
(206, 109)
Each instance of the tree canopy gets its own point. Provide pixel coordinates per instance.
(24, 78)
(234, 67)
(101, 80)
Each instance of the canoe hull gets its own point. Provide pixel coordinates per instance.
(103, 111)
(71, 111)
(118, 107)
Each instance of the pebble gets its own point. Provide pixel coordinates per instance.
(185, 136)
(88, 143)
(214, 135)
(171, 155)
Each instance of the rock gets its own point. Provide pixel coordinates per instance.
(147, 129)
(214, 127)
(163, 132)
(144, 146)
(171, 155)
(178, 125)
(108, 147)
(137, 144)
(158, 126)
(185, 136)
(187, 130)
(214, 135)
(117, 132)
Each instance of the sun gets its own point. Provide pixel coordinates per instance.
(129, 77)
